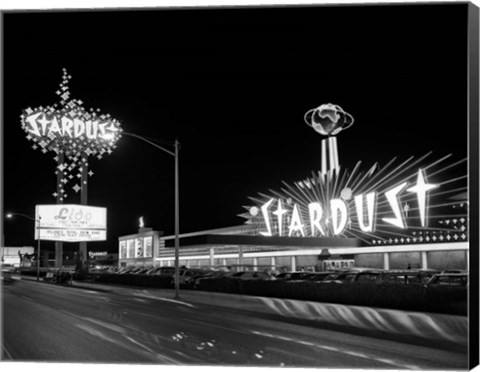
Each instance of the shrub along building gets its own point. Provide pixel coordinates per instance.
(408, 213)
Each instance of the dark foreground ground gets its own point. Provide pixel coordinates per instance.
(45, 322)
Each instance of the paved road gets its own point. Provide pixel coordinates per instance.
(46, 322)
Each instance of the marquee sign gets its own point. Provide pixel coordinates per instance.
(70, 223)
(73, 131)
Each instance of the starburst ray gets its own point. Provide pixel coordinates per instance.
(399, 170)
(453, 180)
(448, 167)
(357, 166)
(379, 174)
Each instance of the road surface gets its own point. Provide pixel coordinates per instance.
(48, 322)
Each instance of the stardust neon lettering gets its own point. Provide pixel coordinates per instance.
(337, 215)
(315, 211)
(366, 227)
(279, 213)
(296, 224)
(393, 200)
(338, 209)
(40, 125)
(266, 218)
(67, 127)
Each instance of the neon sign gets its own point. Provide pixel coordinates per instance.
(333, 216)
(40, 124)
(70, 129)
(376, 205)
(71, 222)
(73, 131)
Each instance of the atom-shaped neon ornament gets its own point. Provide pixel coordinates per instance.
(328, 119)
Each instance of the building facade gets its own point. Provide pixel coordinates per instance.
(17, 256)
(140, 249)
(407, 213)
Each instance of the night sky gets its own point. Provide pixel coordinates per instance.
(233, 85)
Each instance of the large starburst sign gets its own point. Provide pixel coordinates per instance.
(394, 201)
(70, 129)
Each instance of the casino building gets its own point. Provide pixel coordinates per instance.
(405, 213)
(244, 245)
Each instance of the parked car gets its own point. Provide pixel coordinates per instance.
(6, 276)
(339, 278)
(152, 270)
(111, 269)
(454, 271)
(359, 275)
(249, 275)
(319, 276)
(187, 277)
(410, 276)
(216, 275)
(125, 270)
(448, 280)
(369, 276)
(166, 271)
(8, 268)
(294, 275)
(140, 270)
(206, 275)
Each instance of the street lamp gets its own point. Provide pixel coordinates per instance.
(10, 215)
(176, 144)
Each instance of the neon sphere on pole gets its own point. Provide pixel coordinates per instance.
(328, 119)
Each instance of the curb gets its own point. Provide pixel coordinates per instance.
(436, 327)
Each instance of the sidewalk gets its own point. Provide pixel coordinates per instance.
(430, 326)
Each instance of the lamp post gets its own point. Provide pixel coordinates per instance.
(176, 144)
(10, 215)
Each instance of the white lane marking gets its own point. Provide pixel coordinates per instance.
(123, 331)
(88, 291)
(103, 299)
(5, 351)
(95, 333)
(26, 298)
(146, 295)
(105, 324)
(158, 356)
(360, 355)
(139, 344)
(101, 335)
(142, 300)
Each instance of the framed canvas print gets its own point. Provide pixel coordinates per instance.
(284, 186)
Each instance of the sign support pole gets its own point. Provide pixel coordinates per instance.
(177, 224)
(84, 201)
(59, 244)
